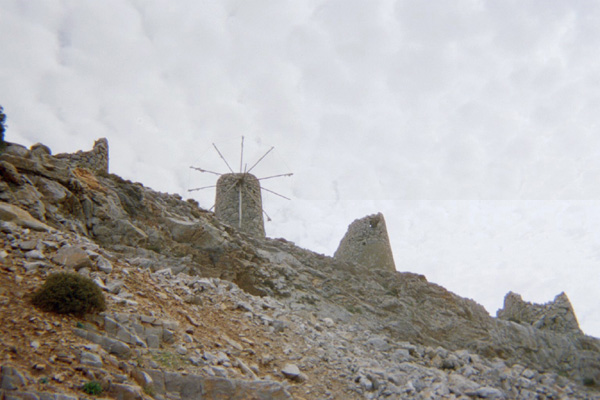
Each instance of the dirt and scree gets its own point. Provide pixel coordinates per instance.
(43, 345)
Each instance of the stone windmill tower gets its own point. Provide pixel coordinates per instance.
(238, 199)
(239, 203)
(366, 242)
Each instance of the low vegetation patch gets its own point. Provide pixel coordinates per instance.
(92, 387)
(69, 293)
(168, 359)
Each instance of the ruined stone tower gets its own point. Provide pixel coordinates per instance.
(95, 160)
(238, 203)
(367, 243)
(557, 315)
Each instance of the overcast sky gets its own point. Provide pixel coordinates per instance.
(473, 126)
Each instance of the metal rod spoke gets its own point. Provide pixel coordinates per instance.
(260, 159)
(275, 176)
(242, 155)
(240, 207)
(268, 218)
(223, 158)
(254, 197)
(201, 188)
(205, 170)
(275, 193)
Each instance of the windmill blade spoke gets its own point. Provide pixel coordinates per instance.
(242, 155)
(223, 158)
(267, 215)
(275, 176)
(275, 193)
(201, 188)
(254, 197)
(260, 159)
(205, 170)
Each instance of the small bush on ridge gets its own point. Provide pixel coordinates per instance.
(69, 293)
(92, 387)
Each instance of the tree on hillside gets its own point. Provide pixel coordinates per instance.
(2, 127)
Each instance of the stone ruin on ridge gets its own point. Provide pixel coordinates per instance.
(557, 315)
(366, 242)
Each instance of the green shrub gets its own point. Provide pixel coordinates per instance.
(149, 390)
(92, 387)
(69, 293)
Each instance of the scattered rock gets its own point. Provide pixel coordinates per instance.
(91, 359)
(12, 213)
(104, 265)
(73, 257)
(292, 372)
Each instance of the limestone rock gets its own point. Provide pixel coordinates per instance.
(73, 257)
(91, 359)
(9, 173)
(197, 234)
(126, 392)
(11, 378)
(39, 150)
(12, 213)
(119, 231)
(104, 265)
(194, 387)
(292, 372)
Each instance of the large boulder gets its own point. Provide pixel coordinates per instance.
(199, 235)
(12, 213)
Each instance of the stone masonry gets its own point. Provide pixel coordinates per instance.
(95, 160)
(245, 188)
(557, 315)
(367, 243)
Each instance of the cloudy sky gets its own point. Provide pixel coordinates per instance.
(473, 126)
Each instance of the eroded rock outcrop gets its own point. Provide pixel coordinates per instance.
(247, 307)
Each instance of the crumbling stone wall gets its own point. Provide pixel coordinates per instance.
(366, 242)
(227, 204)
(95, 160)
(557, 315)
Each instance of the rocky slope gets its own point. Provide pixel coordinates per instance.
(197, 310)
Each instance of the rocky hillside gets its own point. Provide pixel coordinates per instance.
(198, 310)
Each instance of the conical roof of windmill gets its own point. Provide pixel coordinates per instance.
(238, 190)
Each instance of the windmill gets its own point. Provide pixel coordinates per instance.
(238, 199)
